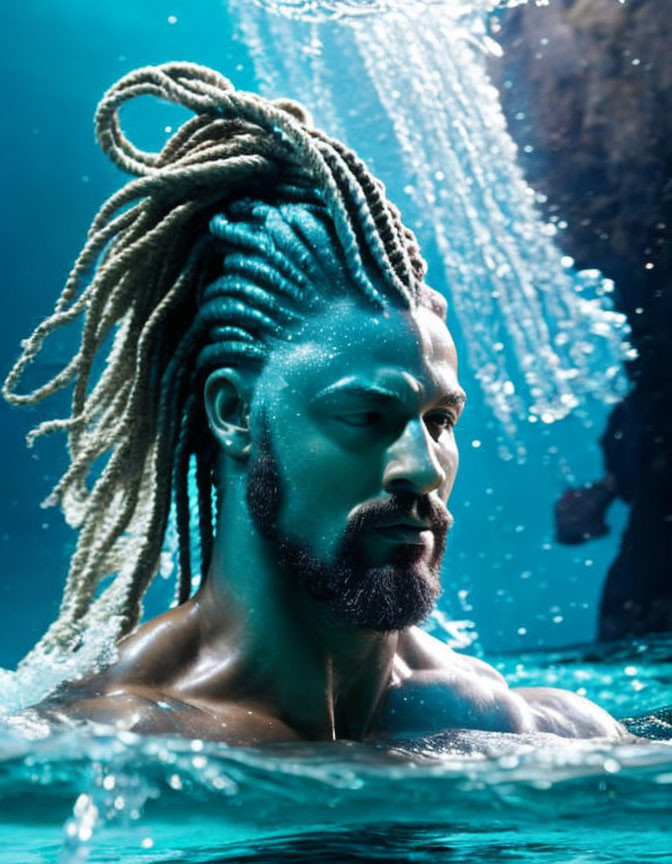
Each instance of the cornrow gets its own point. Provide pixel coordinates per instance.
(238, 227)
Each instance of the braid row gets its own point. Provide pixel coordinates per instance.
(239, 226)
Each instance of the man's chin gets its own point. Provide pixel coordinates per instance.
(385, 599)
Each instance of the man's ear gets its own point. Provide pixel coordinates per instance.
(227, 396)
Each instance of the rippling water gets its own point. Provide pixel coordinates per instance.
(460, 796)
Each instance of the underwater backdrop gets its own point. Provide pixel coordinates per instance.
(543, 353)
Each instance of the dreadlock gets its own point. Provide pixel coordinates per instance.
(226, 238)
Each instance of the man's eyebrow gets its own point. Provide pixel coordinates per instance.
(350, 387)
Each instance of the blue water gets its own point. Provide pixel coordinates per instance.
(457, 797)
(479, 797)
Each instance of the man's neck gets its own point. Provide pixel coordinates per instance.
(264, 640)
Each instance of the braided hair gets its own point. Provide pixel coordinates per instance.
(227, 237)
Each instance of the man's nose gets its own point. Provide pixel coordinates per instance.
(412, 465)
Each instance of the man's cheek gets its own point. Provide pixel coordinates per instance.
(324, 470)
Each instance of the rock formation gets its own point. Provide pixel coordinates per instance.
(587, 89)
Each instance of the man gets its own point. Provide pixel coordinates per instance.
(271, 327)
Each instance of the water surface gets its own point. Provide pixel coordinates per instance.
(459, 796)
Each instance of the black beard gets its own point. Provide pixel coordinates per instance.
(384, 599)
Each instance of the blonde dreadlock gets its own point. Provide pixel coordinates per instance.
(197, 238)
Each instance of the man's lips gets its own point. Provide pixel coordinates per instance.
(404, 532)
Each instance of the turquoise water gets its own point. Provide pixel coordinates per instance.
(458, 797)
(473, 797)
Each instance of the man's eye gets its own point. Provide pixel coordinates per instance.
(440, 422)
(360, 418)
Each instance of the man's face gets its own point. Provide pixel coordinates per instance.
(354, 457)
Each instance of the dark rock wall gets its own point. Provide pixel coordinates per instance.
(587, 89)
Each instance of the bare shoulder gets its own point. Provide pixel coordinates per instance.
(134, 692)
(158, 652)
(140, 691)
(121, 710)
(434, 688)
(152, 713)
(423, 654)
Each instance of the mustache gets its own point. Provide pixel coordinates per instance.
(398, 507)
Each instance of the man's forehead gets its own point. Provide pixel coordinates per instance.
(353, 341)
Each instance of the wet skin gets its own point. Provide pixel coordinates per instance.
(360, 411)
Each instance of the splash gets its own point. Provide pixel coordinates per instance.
(542, 338)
